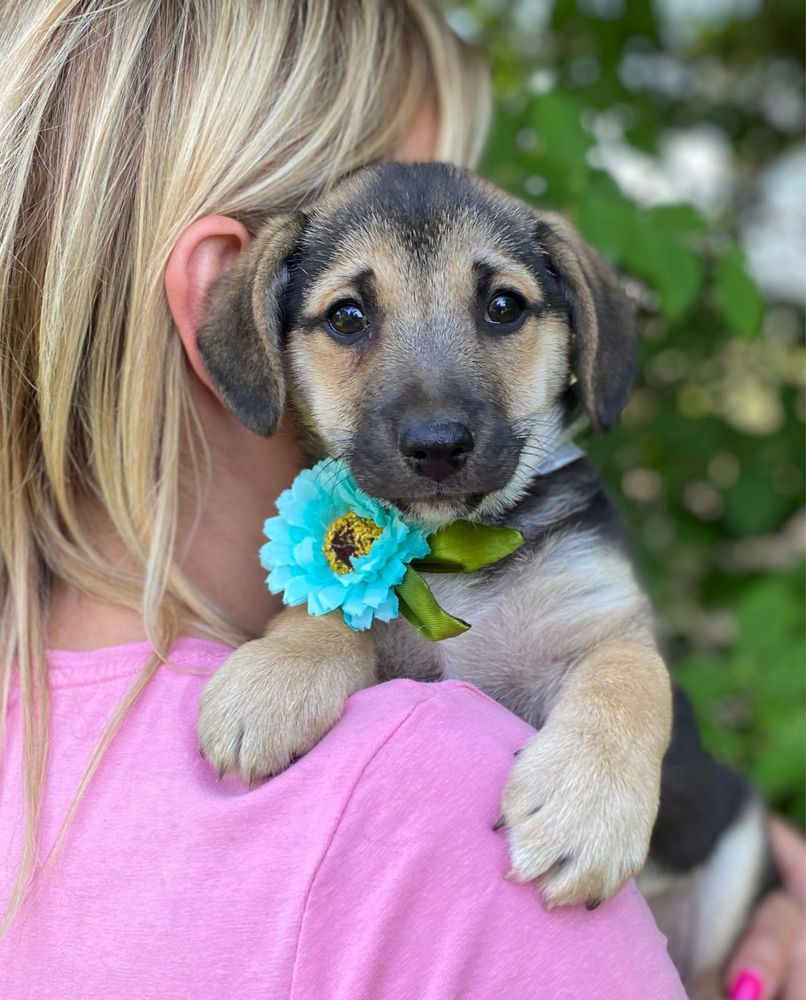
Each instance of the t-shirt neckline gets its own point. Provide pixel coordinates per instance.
(68, 668)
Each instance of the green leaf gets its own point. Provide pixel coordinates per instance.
(679, 284)
(737, 295)
(751, 506)
(679, 221)
(557, 119)
(607, 220)
(419, 607)
(464, 547)
(670, 267)
(769, 614)
(778, 764)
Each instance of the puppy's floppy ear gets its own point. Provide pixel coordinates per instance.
(241, 328)
(602, 320)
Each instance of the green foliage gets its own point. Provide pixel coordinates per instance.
(750, 700)
(708, 459)
(737, 297)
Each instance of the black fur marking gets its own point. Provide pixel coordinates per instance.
(577, 492)
(417, 202)
(605, 344)
(381, 470)
(236, 358)
(770, 879)
(700, 797)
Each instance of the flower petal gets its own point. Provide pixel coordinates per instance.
(389, 609)
(279, 578)
(330, 598)
(359, 622)
(304, 551)
(295, 558)
(297, 590)
(294, 512)
(375, 593)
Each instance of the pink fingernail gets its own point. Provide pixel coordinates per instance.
(747, 986)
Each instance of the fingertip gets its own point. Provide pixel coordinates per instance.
(747, 984)
(760, 963)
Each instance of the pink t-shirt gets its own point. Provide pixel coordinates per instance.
(368, 870)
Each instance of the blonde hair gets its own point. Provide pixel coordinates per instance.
(121, 123)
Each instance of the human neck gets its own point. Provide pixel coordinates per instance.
(217, 552)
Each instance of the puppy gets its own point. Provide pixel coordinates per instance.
(439, 336)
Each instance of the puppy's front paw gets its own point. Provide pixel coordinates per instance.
(261, 710)
(579, 820)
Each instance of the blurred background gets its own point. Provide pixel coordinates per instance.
(671, 133)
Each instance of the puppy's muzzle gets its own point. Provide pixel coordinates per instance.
(435, 449)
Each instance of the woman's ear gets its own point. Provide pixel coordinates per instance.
(234, 320)
(204, 252)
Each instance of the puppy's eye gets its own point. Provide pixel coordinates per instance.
(347, 319)
(504, 309)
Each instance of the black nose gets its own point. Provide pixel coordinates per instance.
(435, 449)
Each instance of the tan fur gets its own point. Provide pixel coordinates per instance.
(583, 794)
(332, 381)
(508, 272)
(368, 251)
(562, 635)
(565, 638)
(276, 697)
(527, 370)
(540, 620)
(537, 364)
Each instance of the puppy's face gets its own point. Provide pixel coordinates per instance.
(424, 323)
(427, 340)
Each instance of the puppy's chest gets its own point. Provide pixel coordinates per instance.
(532, 618)
(508, 616)
(404, 653)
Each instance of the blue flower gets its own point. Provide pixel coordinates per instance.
(335, 547)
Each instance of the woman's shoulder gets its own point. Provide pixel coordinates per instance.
(402, 736)
(397, 721)
(428, 719)
(370, 868)
(414, 864)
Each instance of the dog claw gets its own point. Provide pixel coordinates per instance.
(592, 904)
(500, 823)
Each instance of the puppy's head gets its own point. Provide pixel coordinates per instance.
(425, 326)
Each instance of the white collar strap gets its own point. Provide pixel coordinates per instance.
(566, 451)
(559, 458)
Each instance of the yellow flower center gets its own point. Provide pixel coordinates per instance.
(348, 536)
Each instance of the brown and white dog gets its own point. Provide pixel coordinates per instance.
(436, 334)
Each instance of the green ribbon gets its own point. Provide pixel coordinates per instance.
(464, 547)
(419, 606)
(460, 547)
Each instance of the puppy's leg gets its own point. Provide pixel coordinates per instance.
(583, 795)
(703, 911)
(276, 697)
(709, 860)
